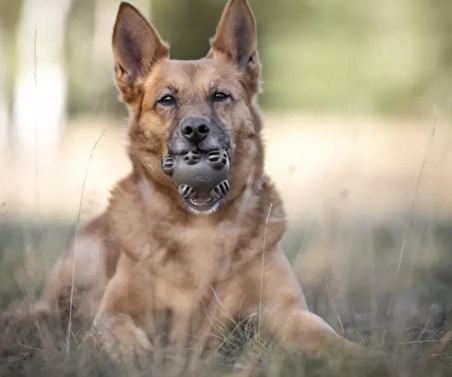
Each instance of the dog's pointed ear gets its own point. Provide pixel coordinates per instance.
(136, 46)
(236, 39)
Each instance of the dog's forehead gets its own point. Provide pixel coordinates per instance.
(184, 74)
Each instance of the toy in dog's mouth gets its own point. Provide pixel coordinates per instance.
(201, 178)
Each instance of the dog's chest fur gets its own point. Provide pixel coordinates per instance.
(188, 265)
(183, 261)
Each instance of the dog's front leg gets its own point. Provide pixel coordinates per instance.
(295, 327)
(122, 339)
(115, 328)
(284, 315)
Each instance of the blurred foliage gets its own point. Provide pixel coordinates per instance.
(386, 57)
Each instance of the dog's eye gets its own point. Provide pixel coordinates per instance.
(220, 97)
(167, 100)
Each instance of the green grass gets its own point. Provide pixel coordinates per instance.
(353, 295)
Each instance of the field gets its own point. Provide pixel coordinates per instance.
(370, 237)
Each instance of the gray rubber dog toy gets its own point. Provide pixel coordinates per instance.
(199, 174)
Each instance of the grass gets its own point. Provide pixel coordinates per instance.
(356, 288)
(384, 283)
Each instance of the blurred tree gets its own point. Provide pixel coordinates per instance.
(89, 62)
(40, 85)
(4, 113)
(367, 57)
(437, 86)
(9, 14)
(186, 25)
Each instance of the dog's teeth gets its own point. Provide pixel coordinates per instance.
(201, 201)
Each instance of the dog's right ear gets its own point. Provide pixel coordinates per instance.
(136, 47)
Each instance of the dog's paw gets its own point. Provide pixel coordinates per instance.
(123, 341)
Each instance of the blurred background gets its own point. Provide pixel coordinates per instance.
(357, 104)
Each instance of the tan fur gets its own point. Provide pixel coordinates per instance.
(147, 260)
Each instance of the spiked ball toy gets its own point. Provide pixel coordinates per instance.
(197, 174)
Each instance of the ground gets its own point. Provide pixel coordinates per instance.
(369, 236)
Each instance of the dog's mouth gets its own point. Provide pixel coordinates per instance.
(200, 177)
(203, 206)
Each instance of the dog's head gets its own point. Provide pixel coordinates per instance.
(178, 106)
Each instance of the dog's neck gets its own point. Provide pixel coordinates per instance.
(164, 201)
(138, 200)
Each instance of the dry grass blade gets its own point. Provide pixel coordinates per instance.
(69, 327)
(262, 268)
(416, 191)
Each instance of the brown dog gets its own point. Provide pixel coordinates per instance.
(155, 263)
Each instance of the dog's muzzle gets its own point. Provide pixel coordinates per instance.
(201, 177)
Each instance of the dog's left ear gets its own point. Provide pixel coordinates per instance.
(236, 40)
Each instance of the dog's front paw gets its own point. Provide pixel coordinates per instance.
(123, 340)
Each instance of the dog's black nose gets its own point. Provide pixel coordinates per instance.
(195, 129)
